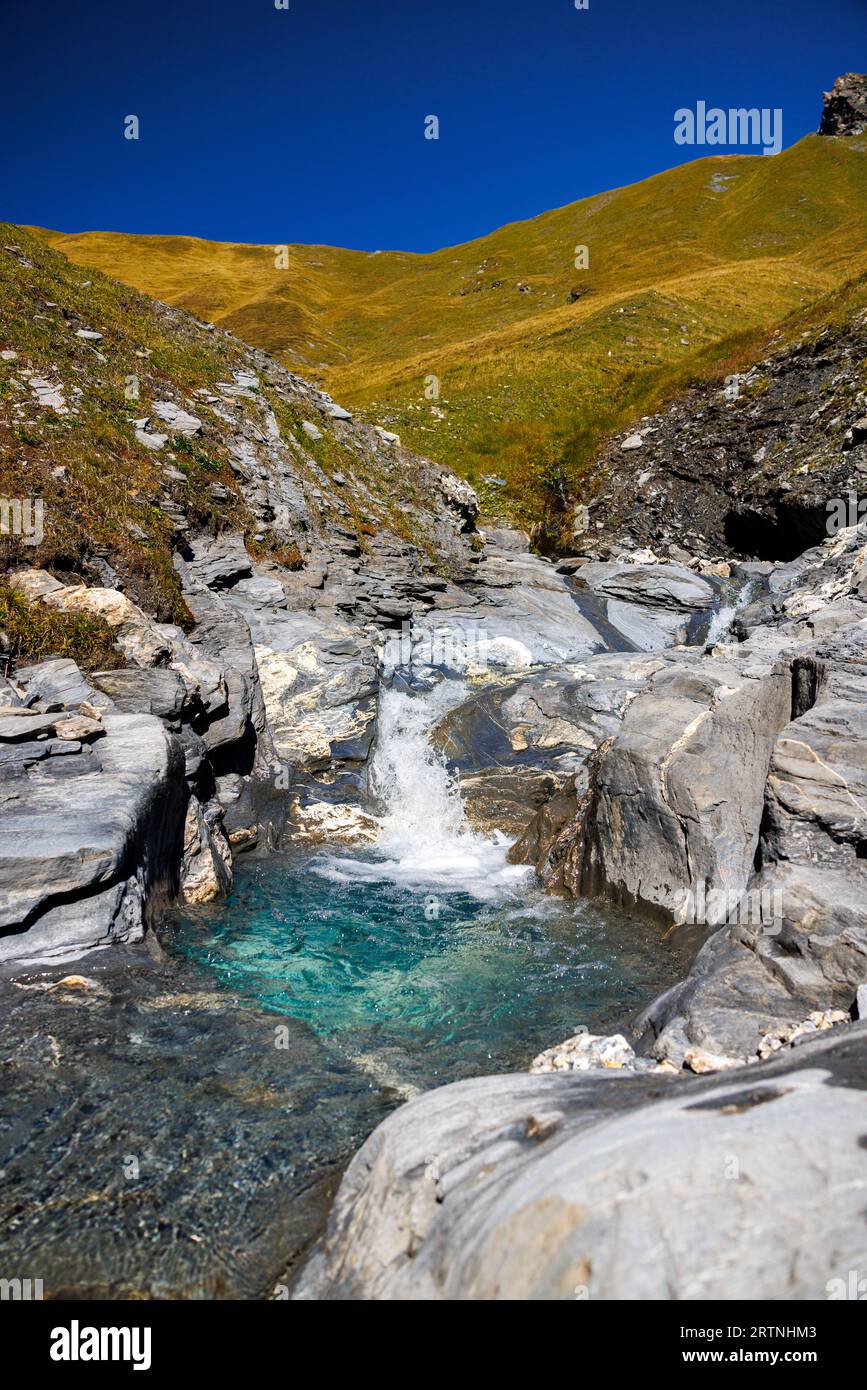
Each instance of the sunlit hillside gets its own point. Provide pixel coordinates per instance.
(500, 357)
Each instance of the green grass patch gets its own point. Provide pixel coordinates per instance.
(32, 632)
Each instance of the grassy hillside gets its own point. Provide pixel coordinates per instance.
(85, 362)
(689, 271)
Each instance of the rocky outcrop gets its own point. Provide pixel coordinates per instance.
(516, 743)
(806, 946)
(109, 803)
(730, 796)
(514, 612)
(652, 605)
(605, 1185)
(845, 107)
(743, 468)
(90, 832)
(676, 796)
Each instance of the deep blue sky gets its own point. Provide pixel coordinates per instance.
(306, 125)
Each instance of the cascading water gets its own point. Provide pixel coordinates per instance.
(425, 841)
(427, 956)
(422, 801)
(721, 622)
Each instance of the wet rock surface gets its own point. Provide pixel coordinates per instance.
(517, 743)
(731, 793)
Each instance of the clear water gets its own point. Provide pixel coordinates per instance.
(428, 957)
(419, 1000)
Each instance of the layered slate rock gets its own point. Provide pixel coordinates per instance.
(806, 947)
(676, 795)
(89, 840)
(652, 606)
(108, 804)
(516, 743)
(738, 776)
(57, 684)
(517, 612)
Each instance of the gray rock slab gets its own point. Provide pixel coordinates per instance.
(598, 1186)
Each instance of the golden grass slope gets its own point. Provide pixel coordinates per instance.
(689, 271)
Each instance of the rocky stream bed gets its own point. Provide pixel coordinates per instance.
(666, 747)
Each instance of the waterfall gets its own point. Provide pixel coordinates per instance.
(723, 618)
(421, 799)
(425, 840)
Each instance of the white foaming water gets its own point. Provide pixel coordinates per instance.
(724, 617)
(425, 840)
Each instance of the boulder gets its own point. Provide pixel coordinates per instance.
(206, 867)
(89, 857)
(18, 724)
(602, 1185)
(520, 613)
(651, 605)
(806, 948)
(136, 634)
(676, 795)
(58, 684)
(514, 744)
(135, 691)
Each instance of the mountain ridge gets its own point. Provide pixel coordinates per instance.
(498, 356)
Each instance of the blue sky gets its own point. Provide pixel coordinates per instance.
(307, 124)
